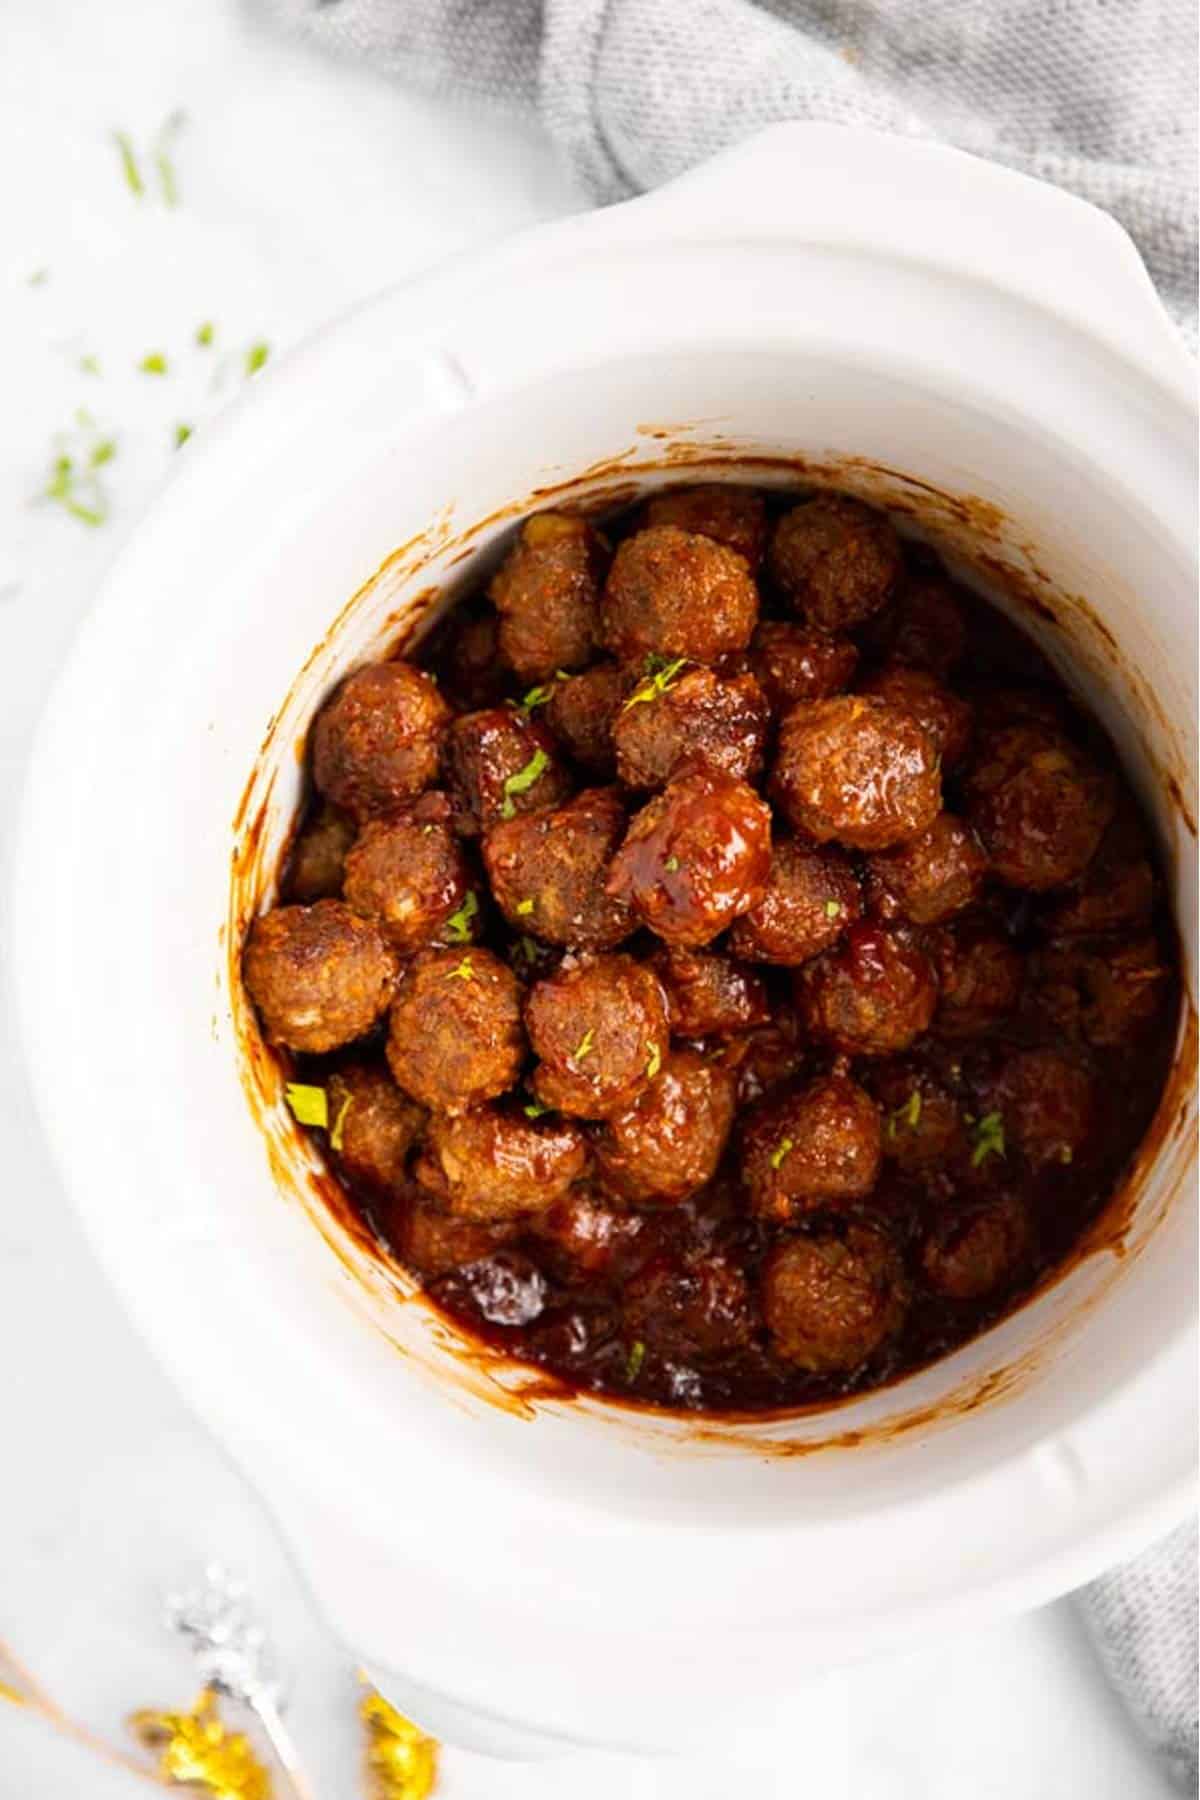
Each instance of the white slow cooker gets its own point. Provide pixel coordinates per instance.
(986, 356)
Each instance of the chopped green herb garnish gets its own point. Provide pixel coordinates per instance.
(101, 453)
(526, 949)
(74, 484)
(182, 434)
(654, 1063)
(89, 365)
(658, 680)
(989, 1139)
(522, 781)
(162, 157)
(464, 971)
(129, 163)
(671, 864)
(310, 1105)
(37, 277)
(84, 418)
(153, 363)
(537, 696)
(458, 925)
(535, 1109)
(585, 1046)
(784, 1146)
(256, 356)
(833, 909)
(637, 1356)
(1066, 1154)
(336, 1135)
(909, 1114)
(524, 907)
(205, 333)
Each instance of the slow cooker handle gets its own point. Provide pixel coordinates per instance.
(854, 189)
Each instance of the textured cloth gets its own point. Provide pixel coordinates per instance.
(1095, 95)
(1143, 1621)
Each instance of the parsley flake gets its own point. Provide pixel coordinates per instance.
(458, 925)
(464, 971)
(337, 1134)
(310, 1105)
(37, 278)
(205, 333)
(784, 1147)
(833, 909)
(658, 680)
(182, 433)
(534, 1110)
(89, 365)
(671, 864)
(637, 1356)
(522, 781)
(130, 167)
(256, 356)
(165, 167)
(537, 696)
(654, 1062)
(585, 1046)
(524, 907)
(989, 1139)
(153, 363)
(909, 1114)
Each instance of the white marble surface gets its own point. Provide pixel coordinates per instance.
(303, 185)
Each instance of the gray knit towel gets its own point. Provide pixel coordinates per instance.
(1095, 95)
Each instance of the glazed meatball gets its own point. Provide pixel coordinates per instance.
(872, 995)
(317, 863)
(1039, 806)
(979, 978)
(372, 1126)
(319, 975)
(931, 877)
(978, 1250)
(408, 873)
(1046, 1103)
(856, 769)
(696, 721)
(501, 763)
(734, 516)
(599, 1026)
(494, 1163)
(470, 653)
(797, 663)
(674, 593)
(547, 593)
(923, 1125)
(831, 1300)
(455, 1036)
(1117, 891)
(836, 560)
(581, 712)
(767, 1057)
(709, 995)
(669, 1142)
(1102, 994)
(690, 1307)
(434, 1242)
(695, 858)
(592, 1235)
(944, 717)
(928, 627)
(812, 895)
(548, 871)
(811, 1147)
(377, 742)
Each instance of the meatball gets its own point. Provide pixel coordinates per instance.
(317, 863)
(599, 1025)
(1102, 994)
(1039, 805)
(931, 877)
(928, 625)
(377, 742)
(734, 516)
(581, 711)
(548, 871)
(1117, 891)
(690, 1307)
(501, 763)
(872, 995)
(408, 873)
(592, 1236)
(547, 592)
(980, 976)
(696, 721)
(796, 663)
(767, 1057)
(319, 975)
(831, 1300)
(470, 653)
(812, 895)
(709, 995)
(923, 1126)
(494, 1163)
(455, 1036)
(669, 1142)
(695, 858)
(811, 1147)
(858, 769)
(944, 717)
(836, 560)
(674, 593)
(435, 1242)
(978, 1250)
(1046, 1106)
(372, 1126)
